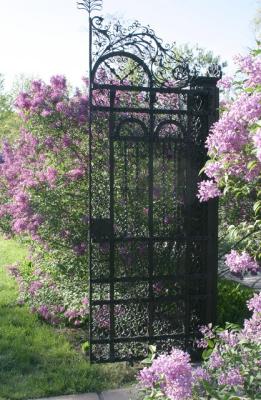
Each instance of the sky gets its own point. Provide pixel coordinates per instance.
(41, 38)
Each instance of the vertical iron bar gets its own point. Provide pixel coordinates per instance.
(212, 261)
(125, 185)
(164, 189)
(112, 239)
(90, 188)
(188, 200)
(150, 213)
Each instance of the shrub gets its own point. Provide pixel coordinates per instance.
(231, 367)
(231, 305)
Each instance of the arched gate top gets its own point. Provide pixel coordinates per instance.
(164, 65)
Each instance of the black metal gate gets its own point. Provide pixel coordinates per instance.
(153, 246)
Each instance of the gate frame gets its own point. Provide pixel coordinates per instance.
(186, 78)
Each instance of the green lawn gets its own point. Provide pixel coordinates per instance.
(37, 360)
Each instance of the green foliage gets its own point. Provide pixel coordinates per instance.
(197, 55)
(9, 121)
(232, 299)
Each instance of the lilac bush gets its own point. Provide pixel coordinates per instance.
(56, 301)
(232, 358)
(234, 169)
(230, 370)
(43, 174)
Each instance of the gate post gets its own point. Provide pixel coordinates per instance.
(210, 85)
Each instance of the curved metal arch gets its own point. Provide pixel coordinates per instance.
(169, 122)
(126, 54)
(132, 120)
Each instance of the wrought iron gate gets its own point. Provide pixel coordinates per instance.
(153, 246)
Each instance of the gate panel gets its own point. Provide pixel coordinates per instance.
(153, 246)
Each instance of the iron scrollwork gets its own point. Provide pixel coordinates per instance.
(165, 67)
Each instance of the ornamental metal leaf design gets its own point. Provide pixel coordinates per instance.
(214, 70)
(164, 65)
(90, 5)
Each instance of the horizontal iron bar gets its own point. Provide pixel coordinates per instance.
(129, 359)
(144, 338)
(172, 239)
(141, 279)
(144, 138)
(134, 88)
(156, 139)
(155, 300)
(140, 110)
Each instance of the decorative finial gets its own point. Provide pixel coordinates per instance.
(90, 5)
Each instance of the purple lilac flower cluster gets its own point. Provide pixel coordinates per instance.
(251, 66)
(171, 373)
(236, 352)
(241, 263)
(29, 166)
(232, 143)
(54, 313)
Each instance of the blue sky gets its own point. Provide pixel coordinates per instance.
(45, 37)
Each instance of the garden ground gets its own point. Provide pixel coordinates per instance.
(37, 360)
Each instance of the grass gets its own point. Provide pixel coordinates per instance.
(37, 360)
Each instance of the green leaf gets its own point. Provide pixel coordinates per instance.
(207, 353)
(152, 348)
(211, 343)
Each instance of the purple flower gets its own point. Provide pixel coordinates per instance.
(254, 304)
(172, 372)
(51, 176)
(14, 270)
(58, 82)
(34, 287)
(200, 374)
(80, 249)
(49, 142)
(225, 83)
(252, 67)
(71, 314)
(158, 288)
(23, 101)
(213, 169)
(215, 360)
(62, 107)
(257, 143)
(67, 141)
(76, 174)
(231, 377)
(44, 311)
(240, 263)
(229, 337)
(46, 112)
(85, 301)
(208, 190)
